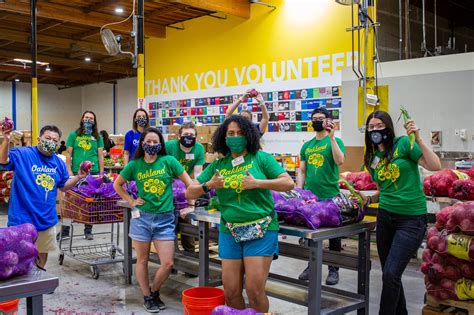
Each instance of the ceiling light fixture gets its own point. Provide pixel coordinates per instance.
(17, 80)
(25, 61)
(87, 59)
(47, 68)
(119, 10)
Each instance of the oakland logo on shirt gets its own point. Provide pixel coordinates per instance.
(151, 184)
(44, 178)
(389, 172)
(233, 178)
(84, 143)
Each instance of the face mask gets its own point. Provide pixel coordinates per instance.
(378, 136)
(318, 125)
(151, 149)
(47, 146)
(141, 121)
(236, 144)
(188, 141)
(88, 126)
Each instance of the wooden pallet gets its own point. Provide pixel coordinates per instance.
(448, 307)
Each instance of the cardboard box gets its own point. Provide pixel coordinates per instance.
(174, 129)
(119, 140)
(204, 138)
(212, 129)
(211, 157)
(203, 130)
(173, 137)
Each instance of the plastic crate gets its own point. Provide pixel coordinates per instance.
(90, 210)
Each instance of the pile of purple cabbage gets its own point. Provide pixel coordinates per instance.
(18, 251)
(179, 198)
(102, 188)
(302, 208)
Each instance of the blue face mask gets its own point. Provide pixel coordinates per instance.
(151, 149)
(88, 126)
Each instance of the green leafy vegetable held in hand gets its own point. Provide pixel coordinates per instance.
(353, 192)
(406, 118)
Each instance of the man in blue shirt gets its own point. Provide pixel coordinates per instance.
(38, 173)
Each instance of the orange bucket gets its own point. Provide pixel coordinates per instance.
(202, 300)
(9, 307)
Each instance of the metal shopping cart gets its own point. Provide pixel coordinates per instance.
(76, 208)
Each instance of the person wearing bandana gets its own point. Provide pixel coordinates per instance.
(85, 144)
(320, 160)
(141, 121)
(38, 174)
(191, 155)
(401, 218)
(153, 218)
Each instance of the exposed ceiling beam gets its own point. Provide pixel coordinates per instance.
(6, 43)
(159, 12)
(53, 41)
(68, 14)
(52, 74)
(70, 62)
(48, 26)
(78, 54)
(11, 77)
(240, 8)
(99, 5)
(114, 58)
(85, 35)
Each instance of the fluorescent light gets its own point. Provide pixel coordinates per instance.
(25, 61)
(87, 59)
(119, 10)
(17, 80)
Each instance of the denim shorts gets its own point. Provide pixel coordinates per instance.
(266, 246)
(153, 227)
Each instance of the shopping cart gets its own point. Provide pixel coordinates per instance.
(76, 208)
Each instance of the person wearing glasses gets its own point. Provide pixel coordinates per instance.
(319, 172)
(401, 218)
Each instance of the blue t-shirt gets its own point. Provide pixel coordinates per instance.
(132, 138)
(36, 180)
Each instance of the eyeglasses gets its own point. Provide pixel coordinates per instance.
(376, 127)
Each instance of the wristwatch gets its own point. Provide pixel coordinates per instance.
(205, 188)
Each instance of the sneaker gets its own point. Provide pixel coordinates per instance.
(304, 275)
(88, 235)
(333, 276)
(157, 300)
(150, 304)
(64, 233)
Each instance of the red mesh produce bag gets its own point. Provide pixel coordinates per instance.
(439, 183)
(360, 181)
(462, 190)
(461, 218)
(456, 244)
(462, 289)
(442, 217)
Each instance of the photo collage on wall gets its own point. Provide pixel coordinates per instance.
(290, 111)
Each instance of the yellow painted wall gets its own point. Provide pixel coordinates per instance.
(214, 57)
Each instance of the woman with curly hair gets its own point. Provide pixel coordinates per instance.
(401, 218)
(248, 233)
(153, 218)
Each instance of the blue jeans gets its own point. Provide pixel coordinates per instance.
(398, 239)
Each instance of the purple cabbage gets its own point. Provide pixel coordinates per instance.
(227, 310)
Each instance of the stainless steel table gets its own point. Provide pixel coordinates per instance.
(318, 298)
(32, 287)
(317, 301)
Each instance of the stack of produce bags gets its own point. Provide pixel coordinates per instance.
(18, 251)
(5, 185)
(458, 184)
(302, 208)
(448, 262)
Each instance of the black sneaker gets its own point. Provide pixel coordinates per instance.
(304, 275)
(333, 276)
(64, 234)
(157, 300)
(150, 304)
(88, 235)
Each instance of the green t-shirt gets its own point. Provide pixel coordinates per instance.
(154, 182)
(237, 205)
(84, 148)
(188, 160)
(401, 190)
(322, 172)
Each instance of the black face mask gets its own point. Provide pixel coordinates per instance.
(318, 125)
(378, 136)
(188, 141)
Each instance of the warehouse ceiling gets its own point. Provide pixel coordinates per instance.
(459, 12)
(68, 35)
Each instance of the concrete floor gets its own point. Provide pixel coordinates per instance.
(78, 293)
